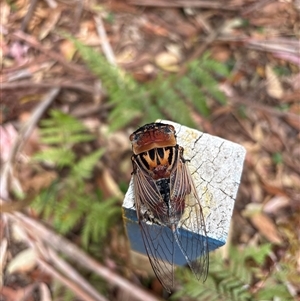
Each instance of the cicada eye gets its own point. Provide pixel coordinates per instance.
(171, 127)
(131, 137)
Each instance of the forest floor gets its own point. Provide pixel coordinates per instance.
(42, 71)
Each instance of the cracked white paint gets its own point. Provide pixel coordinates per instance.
(216, 166)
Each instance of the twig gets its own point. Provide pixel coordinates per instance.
(104, 41)
(71, 285)
(28, 15)
(290, 287)
(55, 56)
(23, 136)
(27, 292)
(29, 126)
(77, 14)
(51, 3)
(184, 3)
(256, 6)
(267, 109)
(203, 23)
(57, 83)
(73, 252)
(211, 38)
(74, 276)
(3, 256)
(272, 45)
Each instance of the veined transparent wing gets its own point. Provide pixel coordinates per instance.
(193, 246)
(159, 240)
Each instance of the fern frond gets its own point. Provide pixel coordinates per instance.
(165, 96)
(202, 71)
(61, 291)
(233, 281)
(64, 129)
(67, 219)
(97, 222)
(194, 94)
(46, 199)
(223, 282)
(272, 289)
(59, 156)
(213, 66)
(259, 254)
(84, 168)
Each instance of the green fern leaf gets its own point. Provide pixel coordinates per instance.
(273, 290)
(60, 156)
(163, 97)
(194, 94)
(62, 128)
(260, 253)
(98, 220)
(84, 168)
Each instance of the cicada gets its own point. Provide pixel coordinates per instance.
(165, 196)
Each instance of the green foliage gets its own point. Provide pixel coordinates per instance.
(60, 290)
(258, 254)
(67, 202)
(167, 96)
(277, 158)
(97, 220)
(121, 88)
(63, 129)
(235, 279)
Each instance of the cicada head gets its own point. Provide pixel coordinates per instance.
(152, 135)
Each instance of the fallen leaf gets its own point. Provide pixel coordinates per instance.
(275, 204)
(167, 61)
(274, 87)
(8, 135)
(3, 256)
(127, 55)
(25, 261)
(45, 292)
(22, 293)
(221, 53)
(19, 51)
(50, 23)
(18, 233)
(262, 223)
(68, 49)
(154, 29)
(294, 121)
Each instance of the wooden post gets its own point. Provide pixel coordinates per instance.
(216, 166)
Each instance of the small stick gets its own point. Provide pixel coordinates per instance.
(199, 51)
(72, 274)
(55, 56)
(57, 83)
(108, 52)
(73, 252)
(28, 15)
(24, 134)
(70, 284)
(185, 3)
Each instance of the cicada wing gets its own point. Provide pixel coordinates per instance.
(159, 240)
(190, 233)
(146, 193)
